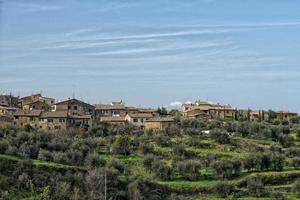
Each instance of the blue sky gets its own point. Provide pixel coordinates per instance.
(153, 53)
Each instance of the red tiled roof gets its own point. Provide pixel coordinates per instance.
(73, 100)
(140, 115)
(55, 114)
(31, 113)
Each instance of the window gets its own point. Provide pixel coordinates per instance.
(33, 107)
(57, 127)
(69, 107)
(50, 120)
(61, 120)
(142, 120)
(135, 120)
(75, 107)
(31, 118)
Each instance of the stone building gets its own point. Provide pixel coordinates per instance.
(114, 120)
(75, 107)
(115, 109)
(138, 119)
(9, 101)
(159, 123)
(208, 111)
(35, 98)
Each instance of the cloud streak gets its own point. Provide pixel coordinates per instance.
(29, 6)
(88, 38)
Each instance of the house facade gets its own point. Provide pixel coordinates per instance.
(31, 118)
(37, 105)
(114, 120)
(9, 101)
(57, 120)
(8, 110)
(159, 123)
(138, 119)
(285, 115)
(208, 111)
(80, 121)
(75, 107)
(115, 109)
(37, 97)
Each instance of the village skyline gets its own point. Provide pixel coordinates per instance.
(47, 113)
(176, 105)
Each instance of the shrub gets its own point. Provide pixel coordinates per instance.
(60, 157)
(176, 197)
(3, 146)
(285, 140)
(296, 163)
(92, 160)
(122, 145)
(251, 162)
(148, 161)
(45, 155)
(163, 171)
(227, 168)
(189, 169)
(223, 189)
(220, 136)
(179, 150)
(296, 187)
(117, 165)
(277, 195)
(75, 157)
(255, 186)
(146, 148)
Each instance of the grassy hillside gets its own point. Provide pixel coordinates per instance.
(259, 161)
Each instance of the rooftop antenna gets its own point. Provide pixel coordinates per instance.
(73, 94)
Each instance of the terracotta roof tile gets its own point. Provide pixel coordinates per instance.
(55, 114)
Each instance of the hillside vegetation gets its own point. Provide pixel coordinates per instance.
(235, 160)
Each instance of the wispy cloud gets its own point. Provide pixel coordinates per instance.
(253, 25)
(30, 6)
(169, 49)
(89, 38)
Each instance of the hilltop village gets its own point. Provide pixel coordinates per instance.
(45, 113)
(75, 150)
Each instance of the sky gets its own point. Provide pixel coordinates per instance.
(153, 53)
